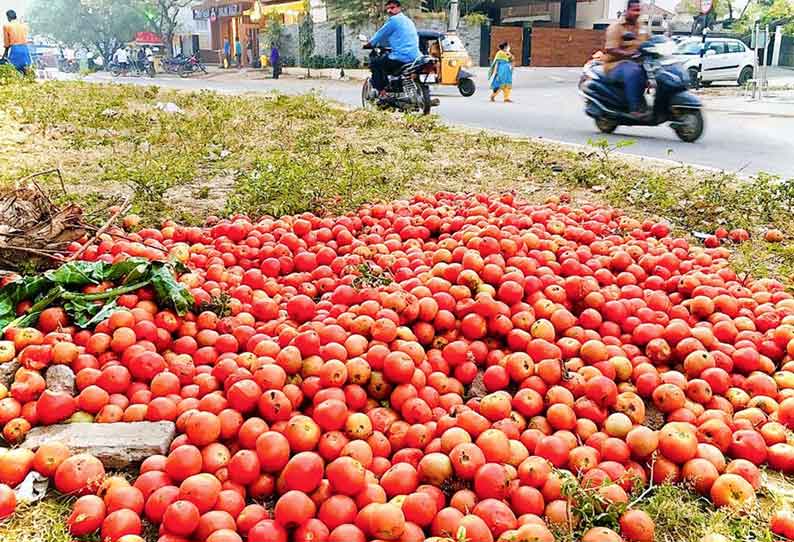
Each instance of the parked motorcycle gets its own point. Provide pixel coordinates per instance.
(172, 65)
(191, 65)
(405, 91)
(135, 68)
(68, 66)
(605, 99)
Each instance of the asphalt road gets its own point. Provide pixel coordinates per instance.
(546, 105)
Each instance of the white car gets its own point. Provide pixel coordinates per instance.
(724, 59)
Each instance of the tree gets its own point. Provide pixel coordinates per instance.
(358, 12)
(720, 8)
(466, 7)
(163, 18)
(103, 24)
(306, 41)
(768, 12)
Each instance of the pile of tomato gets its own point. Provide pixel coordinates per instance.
(433, 369)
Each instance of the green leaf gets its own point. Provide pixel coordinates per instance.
(19, 290)
(169, 292)
(77, 274)
(130, 270)
(88, 313)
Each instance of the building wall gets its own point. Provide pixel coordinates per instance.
(587, 11)
(554, 47)
(325, 38)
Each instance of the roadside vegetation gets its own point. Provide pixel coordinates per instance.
(271, 154)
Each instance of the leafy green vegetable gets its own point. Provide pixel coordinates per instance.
(168, 291)
(86, 310)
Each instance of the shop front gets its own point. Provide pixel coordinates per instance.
(228, 21)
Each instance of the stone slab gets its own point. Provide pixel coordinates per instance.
(117, 445)
(60, 378)
(7, 372)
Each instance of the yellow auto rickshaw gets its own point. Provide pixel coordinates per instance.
(453, 59)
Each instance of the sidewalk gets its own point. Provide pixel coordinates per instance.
(775, 103)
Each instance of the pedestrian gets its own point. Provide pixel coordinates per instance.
(500, 75)
(275, 60)
(15, 41)
(227, 53)
(249, 51)
(238, 52)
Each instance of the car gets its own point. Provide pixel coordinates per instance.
(724, 59)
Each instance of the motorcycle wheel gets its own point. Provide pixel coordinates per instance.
(203, 68)
(426, 101)
(115, 71)
(689, 125)
(606, 125)
(467, 87)
(366, 100)
(184, 72)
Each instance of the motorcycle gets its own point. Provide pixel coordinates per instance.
(146, 66)
(172, 65)
(405, 91)
(68, 66)
(605, 100)
(191, 65)
(133, 67)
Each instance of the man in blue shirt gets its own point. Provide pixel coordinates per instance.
(400, 35)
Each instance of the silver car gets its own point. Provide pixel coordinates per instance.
(724, 59)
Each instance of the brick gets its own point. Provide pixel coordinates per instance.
(115, 444)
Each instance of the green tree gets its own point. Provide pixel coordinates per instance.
(358, 12)
(163, 17)
(767, 12)
(101, 24)
(722, 9)
(306, 41)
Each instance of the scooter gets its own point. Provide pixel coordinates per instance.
(605, 100)
(405, 91)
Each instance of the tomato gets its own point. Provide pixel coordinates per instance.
(88, 515)
(8, 501)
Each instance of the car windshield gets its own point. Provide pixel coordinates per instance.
(689, 48)
(452, 43)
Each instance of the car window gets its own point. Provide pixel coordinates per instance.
(716, 46)
(689, 48)
(735, 47)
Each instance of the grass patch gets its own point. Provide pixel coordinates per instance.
(679, 514)
(274, 154)
(44, 521)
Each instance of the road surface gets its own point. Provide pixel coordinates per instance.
(547, 106)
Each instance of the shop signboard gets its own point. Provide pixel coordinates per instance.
(213, 13)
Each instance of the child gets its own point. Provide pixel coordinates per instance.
(501, 73)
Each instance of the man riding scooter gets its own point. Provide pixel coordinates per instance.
(619, 63)
(400, 35)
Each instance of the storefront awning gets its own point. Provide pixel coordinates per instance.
(147, 38)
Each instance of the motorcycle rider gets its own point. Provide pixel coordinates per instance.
(398, 33)
(122, 58)
(619, 63)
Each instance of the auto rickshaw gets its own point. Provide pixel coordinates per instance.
(453, 59)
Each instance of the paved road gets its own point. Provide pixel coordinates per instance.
(548, 106)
